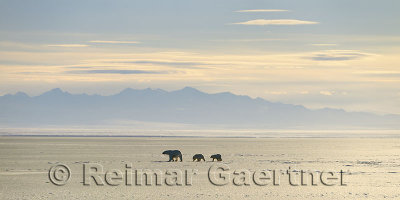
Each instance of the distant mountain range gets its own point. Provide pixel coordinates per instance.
(185, 106)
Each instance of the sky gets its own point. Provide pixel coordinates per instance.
(317, 53)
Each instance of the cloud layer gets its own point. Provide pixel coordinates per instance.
(67, 45)
(115, 71)
(263, 22)
(262, 10)
(338, 55)
(113, 42)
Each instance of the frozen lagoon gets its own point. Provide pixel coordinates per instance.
(371, 166)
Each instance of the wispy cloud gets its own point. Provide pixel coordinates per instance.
(113, 42)
(262, 10)
(77, 67)
(33, 73)
(182, 64)
(263, 22)
(338, 55)
(388, 74)
(251, 40)
(67, 45)
(116, 71)
(327, 93)
(323, 45)
(277, 92)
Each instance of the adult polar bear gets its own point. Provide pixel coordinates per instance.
(173, 155)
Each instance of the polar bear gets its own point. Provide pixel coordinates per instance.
(198, 157)
(174, 155)
(216, 157)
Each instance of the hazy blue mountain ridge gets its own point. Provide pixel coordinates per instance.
(188, 106)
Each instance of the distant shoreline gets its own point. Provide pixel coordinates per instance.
(138, 136)
(197, 136)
